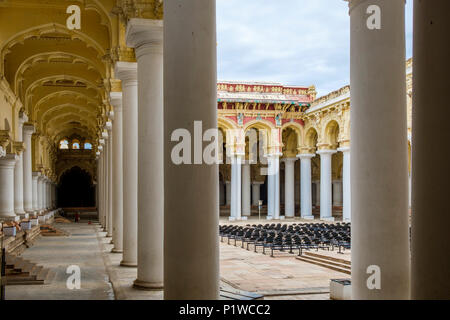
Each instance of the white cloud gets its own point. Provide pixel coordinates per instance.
(295, 42)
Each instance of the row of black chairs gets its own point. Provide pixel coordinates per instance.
(278, 237)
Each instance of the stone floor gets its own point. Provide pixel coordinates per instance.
(281, 277)
(81, 248)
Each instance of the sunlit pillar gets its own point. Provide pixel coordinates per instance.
(379, 166)
(191, 266)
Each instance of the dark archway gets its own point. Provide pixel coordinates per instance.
(75, 189)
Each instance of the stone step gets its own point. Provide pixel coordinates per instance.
(322, 264)
(51, 275)
(321, 256)
(36, 270)
(330, 262)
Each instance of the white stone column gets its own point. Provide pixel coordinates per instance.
(47, 190)
(39, 192)
(256, 192)
(7, 165)
(35, 188)
(117, 172)
(18, 171)
(100, 184)
(110, 179)
(430, 263)
(326, 209)
(28, 131)
(305, 186)
(191, 267)
(276, 159)
(289, 187)
(379, 167)
(236, 187)
(146, 36)
(18, 184)
(346, 185)
(246, 186)
(228, 193)
(270, 188)
(127, 73)
(337, 193)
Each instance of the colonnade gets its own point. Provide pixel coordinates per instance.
(328, 192)
(131, 166)
(23, 193)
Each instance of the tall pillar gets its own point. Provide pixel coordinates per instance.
(246, 186)
(228, 193)
(276, 159)
(326, 209)
(270, 187)
(111, 181)
(18, 169)
(305, 187)
(35, 188)
(346, 185)
(117, 172)
(146, 36)
(39, 192)
(127, 73)
(430, 219)
(256, 192)
(28, 131)
(289, 187)
(7, 164)
(236, 186)
(191, 267)
(18, 180)
(100, 186)
(379, 170)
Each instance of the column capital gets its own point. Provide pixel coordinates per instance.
(326, 151)
(23, 118)
(18, 147)
(344, 149)
(108, 126)
(28, 129)
(116, 100)
(306, 156)
(289, 159)
(145, 35)
(36, 174)
(126, 72)
(257, 182)
(9, 161)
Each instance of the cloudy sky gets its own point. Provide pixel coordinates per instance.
(295, 42)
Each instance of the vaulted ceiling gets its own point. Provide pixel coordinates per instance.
(61, 76)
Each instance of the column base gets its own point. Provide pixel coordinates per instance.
(231, 219)
(23, 215)
(269, 218)
(330, 219)
(308, 217)
(346, 220)
(282, 217)
(128, 264)
(149, 286)
(114, 250)
(244, 218)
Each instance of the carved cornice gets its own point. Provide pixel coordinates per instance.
(5, 138)
(146, 9)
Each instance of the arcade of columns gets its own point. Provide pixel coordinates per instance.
(53, 91)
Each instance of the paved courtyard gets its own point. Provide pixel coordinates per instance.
(279, 277)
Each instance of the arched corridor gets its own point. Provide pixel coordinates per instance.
(76, 189)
